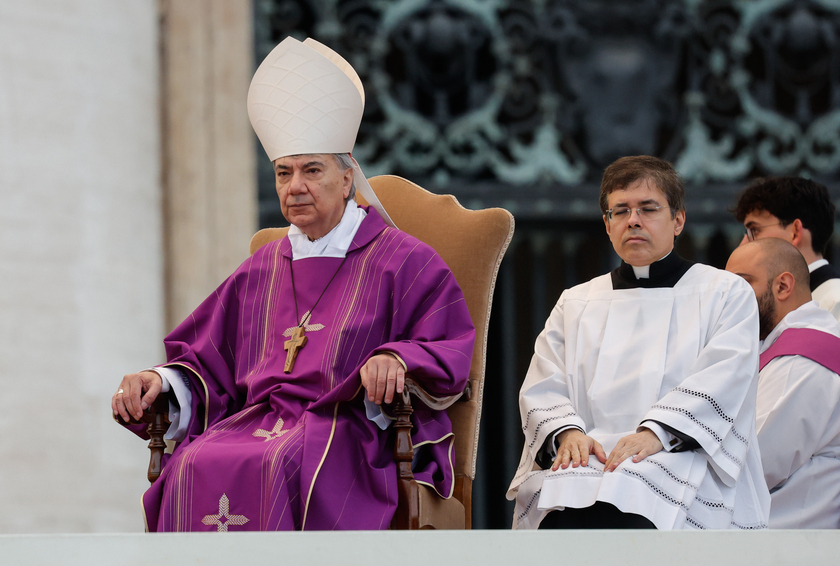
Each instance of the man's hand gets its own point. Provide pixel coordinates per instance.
(575, 448)
(382, 376)
(638, 446)
(129, 400)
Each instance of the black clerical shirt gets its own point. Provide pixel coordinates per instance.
(822, 274)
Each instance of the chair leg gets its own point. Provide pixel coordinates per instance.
(463, 493)
(157, 446)
(407, 516)
(158, 418)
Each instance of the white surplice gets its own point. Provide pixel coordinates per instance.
(827, 294)
(685, 356)
(798, 423)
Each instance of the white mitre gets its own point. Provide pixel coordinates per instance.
(305, 98)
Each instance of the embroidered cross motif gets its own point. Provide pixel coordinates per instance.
(276, 432)
(224, 518)
(308, 327)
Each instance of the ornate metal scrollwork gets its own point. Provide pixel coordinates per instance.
(766, 91)
(476, 96)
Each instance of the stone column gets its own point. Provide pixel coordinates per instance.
(209, 174)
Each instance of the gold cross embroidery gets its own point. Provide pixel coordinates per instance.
(303, 320)
(224, 518)
(276, 432)
(295, 343)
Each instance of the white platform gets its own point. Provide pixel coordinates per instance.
(578, 548)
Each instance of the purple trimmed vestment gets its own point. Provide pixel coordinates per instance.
(268, 450)
(816, 345)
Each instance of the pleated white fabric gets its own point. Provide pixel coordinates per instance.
(685, 356)
(798, 426)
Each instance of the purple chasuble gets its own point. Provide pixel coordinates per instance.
(268, 450)
(816, 345)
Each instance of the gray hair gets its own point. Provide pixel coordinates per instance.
(345, 162)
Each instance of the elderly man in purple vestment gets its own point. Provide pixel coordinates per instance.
(798, 401)
(278, 381)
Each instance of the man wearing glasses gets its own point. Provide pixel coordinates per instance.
(799, 211)
(638, 408)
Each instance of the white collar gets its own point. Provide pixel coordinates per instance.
(816, 265)
(643, 272)
(335, 243)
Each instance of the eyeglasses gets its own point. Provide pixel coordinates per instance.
(753, 231)
(620, 213)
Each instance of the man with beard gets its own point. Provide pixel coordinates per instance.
(798, 211)
(798, 406)
(638, 408)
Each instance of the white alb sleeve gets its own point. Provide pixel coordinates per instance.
(174, 380)
(374, 413)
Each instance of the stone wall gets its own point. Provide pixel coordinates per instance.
(81, 262)
(127, 192)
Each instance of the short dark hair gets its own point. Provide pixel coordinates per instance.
(788, 198)
(628, 170)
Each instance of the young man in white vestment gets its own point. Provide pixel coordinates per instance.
(798, 211)
(798, 415)
(638, 408)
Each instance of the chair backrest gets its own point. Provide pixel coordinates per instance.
(472, 243)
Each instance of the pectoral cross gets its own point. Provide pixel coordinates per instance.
(292, 345)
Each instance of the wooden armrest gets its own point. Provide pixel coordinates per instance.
(160, 406)
(156, 416)
(431, 401)
(407, 518)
